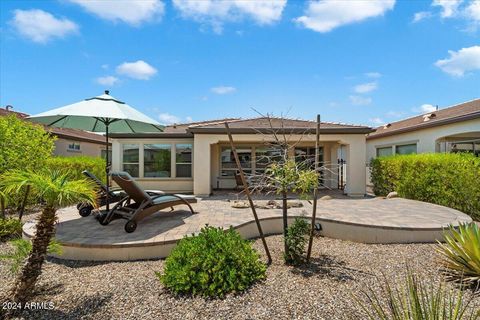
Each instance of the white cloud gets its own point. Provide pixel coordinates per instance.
(419, 16)
(169, 119)
(360, 101)
(449, 7)
(107, 80)
(473, 11)
(365, 87)
(461, 61)
(133, 12)
(223, 90)
(41, 26)
(326, 15)
(377, 121)
(374, 75)
(425, 108)
(216, 12)
(137, 70)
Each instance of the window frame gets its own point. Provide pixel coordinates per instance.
(384, 147)
(122, 163)
(170, 147)
(183, 163)
(141, 143)
(405, 145)
(74, 143)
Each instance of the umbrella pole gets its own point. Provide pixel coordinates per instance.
(106, 166)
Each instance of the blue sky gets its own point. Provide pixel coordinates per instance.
(366, 62)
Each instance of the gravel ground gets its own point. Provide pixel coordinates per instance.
(130, 290)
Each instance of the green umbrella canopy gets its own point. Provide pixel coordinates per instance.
(95, 113)
(99, 114)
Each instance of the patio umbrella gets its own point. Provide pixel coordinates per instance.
(103, 113)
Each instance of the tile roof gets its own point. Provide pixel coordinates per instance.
(73, 134)
(265, 124)
(460, 112)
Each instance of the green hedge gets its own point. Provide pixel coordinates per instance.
(451, 180)
(75, 166)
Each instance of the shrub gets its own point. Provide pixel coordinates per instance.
(75, 165)
(450, 180)
(461, 254)
(297, 237)
(24, 146)
(21, 250)
(416, 300)
(213, 263)
(10, 228)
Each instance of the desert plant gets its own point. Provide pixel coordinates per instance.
(56, 191)
(10, 228)
(213, 263)
(21, 250)
(461, 254)
(287, 175)
(416, 300)
(297, 237)
(446, 179)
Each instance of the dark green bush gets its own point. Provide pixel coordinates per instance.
(296, 239)
(10, 228)
(213, 263)
(451, 180)
(75, 166)
(24, 146)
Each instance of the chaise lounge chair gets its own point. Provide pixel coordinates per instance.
(144, 203)
(114, 195)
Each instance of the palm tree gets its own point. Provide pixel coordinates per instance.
(55, 190)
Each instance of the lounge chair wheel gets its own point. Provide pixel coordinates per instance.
(85, 211)
(130, 226)
(102, 219)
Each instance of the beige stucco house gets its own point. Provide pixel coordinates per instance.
(196, 157)
(452, 129)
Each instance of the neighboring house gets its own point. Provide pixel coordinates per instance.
(452, 129)
(196, 157)
(70, 142)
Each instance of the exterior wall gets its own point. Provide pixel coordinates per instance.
(86, 148)
(183, 185)
(426, 139)
(206, 161)
(206, 167)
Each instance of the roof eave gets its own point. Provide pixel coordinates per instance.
(426, 125)
(147, 135)
(359, 130)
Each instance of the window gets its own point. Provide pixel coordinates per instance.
(406, 149)
(264, 156)
(384, 151)
(74, 146)
(183, 160)
(306, 156)
(157, 160)
(131, 159)
(228, 165)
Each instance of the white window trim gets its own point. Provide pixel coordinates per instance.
(394, 146)
(141, 171)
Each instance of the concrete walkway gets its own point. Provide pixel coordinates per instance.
(374, 220)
